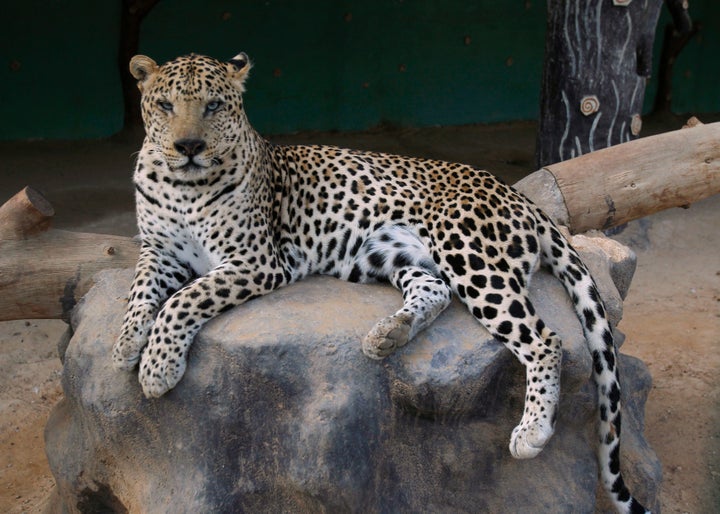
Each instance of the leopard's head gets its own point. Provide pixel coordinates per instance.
(192, 108)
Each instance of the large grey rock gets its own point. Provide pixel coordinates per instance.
(280, 411)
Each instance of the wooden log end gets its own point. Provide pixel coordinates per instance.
(38, 201)
(26, 214)
(692, 122)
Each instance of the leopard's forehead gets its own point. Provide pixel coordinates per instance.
(192, 74)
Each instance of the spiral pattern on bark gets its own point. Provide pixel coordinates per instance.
(589, 105)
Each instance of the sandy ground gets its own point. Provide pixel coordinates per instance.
(672, 314)
(672, 322)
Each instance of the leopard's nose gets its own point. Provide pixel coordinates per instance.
(190, 147)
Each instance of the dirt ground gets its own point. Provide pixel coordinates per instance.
(671, 316)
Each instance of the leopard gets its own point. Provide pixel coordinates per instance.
(225, 216)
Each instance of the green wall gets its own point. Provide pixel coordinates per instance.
(59, 76)
(319, 64)
(696, 74)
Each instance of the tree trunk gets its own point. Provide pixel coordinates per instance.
(675, 37)
(598, 55)
(133, 12)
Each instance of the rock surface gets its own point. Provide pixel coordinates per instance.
(279, 411)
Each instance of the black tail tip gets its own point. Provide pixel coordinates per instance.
(637, 508)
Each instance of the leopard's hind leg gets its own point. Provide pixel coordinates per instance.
(495, 291)
(425, 296)
(395, 253)
(539, 349)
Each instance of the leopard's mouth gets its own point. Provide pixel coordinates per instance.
(192, 165)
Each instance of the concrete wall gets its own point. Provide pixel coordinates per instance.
(319, 64)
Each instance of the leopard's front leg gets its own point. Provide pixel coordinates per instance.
(163, 362)
(157, 276)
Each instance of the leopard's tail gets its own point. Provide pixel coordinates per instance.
(577, 281)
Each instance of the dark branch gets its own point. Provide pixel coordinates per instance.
(133, 13)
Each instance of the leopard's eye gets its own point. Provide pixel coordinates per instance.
(213, 106)
(165, 105)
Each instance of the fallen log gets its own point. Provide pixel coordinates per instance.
(612, 186)
(44, 273)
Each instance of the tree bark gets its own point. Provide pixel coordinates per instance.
(598, 55)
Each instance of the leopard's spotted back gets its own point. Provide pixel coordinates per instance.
(333, 199)
(241, 217)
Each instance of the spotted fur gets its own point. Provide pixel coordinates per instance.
(226, 216)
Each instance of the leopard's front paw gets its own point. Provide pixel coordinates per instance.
(133, 337)
(126, 351)
(161, 368)
(387, 335)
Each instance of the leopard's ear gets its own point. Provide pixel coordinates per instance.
(239, 67)
(142, 68)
